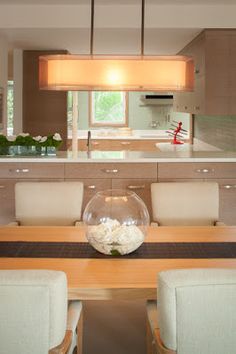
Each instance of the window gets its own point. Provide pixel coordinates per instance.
(10, 106)
(69, 110)
(108, 108)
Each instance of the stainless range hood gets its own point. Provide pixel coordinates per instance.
(157, 99)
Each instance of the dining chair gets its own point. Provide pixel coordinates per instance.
(185, 203)
(48, 203)
(34, 315)
(195, 313)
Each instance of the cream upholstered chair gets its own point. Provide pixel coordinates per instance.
(33, 313)
(185, 203)
(196, 312)
(48, 203)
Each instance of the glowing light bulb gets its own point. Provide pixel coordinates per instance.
(113, 77)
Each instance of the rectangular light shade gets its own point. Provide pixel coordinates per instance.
(103, 73)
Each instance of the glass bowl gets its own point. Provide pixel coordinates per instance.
(116, 221)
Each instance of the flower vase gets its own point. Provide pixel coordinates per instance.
(51, 150)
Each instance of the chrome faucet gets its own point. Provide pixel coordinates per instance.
(89, 141)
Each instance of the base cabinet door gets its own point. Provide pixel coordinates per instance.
(142, 187)
(7, 197)
(228, 201)
(7, 201)
(91, 187)
(227, 197)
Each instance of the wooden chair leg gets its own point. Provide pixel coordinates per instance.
(64, 346)
(149, 338)
(80, 334)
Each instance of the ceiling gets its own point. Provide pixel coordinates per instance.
(112, 41)
(65, 24)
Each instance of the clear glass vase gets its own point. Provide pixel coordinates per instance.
(116, 221)
(51, 150)
(21, 150)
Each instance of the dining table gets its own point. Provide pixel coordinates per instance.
(92, 276)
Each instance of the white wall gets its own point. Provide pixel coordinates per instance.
(3, 78)
(18, 88)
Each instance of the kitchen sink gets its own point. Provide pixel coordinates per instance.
(155, 136)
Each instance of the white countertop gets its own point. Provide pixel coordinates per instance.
(130, 157)
(186, 147)
(113, 134)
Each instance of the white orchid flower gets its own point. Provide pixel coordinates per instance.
(37, 138)
(11, 138)
(23, 134)
(57, 137)
(43, 139)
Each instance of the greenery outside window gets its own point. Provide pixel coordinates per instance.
(10, 106)
(69, 110)
(108, 109)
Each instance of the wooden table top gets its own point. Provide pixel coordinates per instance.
(106, 279)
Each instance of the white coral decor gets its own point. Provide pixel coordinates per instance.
(110, 236)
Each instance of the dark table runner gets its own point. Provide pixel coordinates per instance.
(146, 250)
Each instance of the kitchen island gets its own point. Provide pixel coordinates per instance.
(131, 170)
(127, 156)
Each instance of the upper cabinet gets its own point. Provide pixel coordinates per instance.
(214, 92)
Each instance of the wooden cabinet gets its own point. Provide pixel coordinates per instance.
(92, 186)
(222, 173)
(119, 144)
(7, 201)
(31, 170)
(135, 177)
(142, 187)
(228, 201)
(197, 170)
(215, 73)
(44, 111)
(111, 170)
(12, 172)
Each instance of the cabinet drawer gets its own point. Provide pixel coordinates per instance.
(197, 170)
(111, 170)
(142, 187)
(32, 170)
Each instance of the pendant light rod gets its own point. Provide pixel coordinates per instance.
(117, 73)
(142, 26)
(92, 27)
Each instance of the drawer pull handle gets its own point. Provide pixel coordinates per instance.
(2, 187)
(228, 186)
(205, 170)
(20, 170)
(142, 186)
(110, 171)
(125, 143)
(91, 187)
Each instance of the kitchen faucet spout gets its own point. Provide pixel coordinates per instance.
(89, 141)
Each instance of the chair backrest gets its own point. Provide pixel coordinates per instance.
(185, 203)
(48, 203)
(33, 310)
(197, 310)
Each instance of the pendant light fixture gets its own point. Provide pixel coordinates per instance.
(116, 73)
